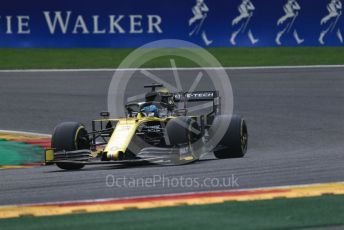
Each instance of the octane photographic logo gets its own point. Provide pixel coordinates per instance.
(131, 71)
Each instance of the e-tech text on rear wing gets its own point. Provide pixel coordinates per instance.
(200, 96)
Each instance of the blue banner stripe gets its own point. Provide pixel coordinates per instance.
(209, 23)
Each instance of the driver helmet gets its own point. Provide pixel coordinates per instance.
(161, 95)
(166, 97)
(151, 110)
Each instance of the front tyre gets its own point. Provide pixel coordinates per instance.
(70, 136)
(234, 142)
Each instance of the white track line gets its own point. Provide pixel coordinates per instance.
(25, 133)
(166, 69)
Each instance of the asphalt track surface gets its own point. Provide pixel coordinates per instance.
(294, 116)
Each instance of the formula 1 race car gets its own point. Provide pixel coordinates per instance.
(155, 131)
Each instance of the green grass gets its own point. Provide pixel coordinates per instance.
(270, 214)
(111, 58)
(18, 153)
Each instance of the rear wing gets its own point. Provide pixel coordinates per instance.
(196, 96)
(200, 96)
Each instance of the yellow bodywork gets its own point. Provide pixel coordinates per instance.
(120, 139)
(123, 134)
(49, 155)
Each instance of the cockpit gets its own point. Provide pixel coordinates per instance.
(158, 103)
(148, 109)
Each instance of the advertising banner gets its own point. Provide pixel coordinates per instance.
(209, 23)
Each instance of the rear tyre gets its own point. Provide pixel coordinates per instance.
(70, 136)
(181, 131)
(234, 142)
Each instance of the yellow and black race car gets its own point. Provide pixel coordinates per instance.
(159, 130)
